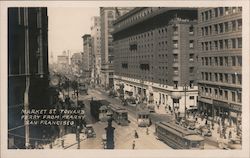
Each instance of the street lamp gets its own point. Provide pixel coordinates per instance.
(185, 87)
(110, 132)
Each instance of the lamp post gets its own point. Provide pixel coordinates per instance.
(185, 87)
(110, 133)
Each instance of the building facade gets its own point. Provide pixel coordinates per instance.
(96, 42)
(28, 74)
(220, 55)
(155, 56)
(107, 16)
(87, 57)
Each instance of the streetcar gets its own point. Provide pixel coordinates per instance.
(177, 136)
(143, 118)
(119, 115)
(95, 106)
(103, 110)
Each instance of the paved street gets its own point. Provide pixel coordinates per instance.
(124, 135)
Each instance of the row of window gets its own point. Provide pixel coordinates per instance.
(222, 77)
(221, 11)
(222, 44)
(225, 27)
(222, 61)
(218, 93)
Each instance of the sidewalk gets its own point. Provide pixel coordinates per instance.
(69, 140)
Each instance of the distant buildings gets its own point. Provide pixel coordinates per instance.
(28, 74)
(220, 68)
(63, 63)
(76, 64)
(107, 16)
(96, 42)
(87, 57)
(155, 56)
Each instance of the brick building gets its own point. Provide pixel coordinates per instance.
(155, 56)
(220, 55)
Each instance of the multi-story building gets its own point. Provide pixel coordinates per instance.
(155, 56)
(76, 64)
(87, 56)
(63, 63)
(107, 16)
(28, 82)
(220, 68)
(96, 42)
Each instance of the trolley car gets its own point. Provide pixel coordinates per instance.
(120, 115)
(178, 137)
(103, 113)
(143, 118)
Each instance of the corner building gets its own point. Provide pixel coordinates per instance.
(220, 55)
(155, 56)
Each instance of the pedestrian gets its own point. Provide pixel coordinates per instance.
(147, 132)
(136, 134)
(230, 134)
(133, 145)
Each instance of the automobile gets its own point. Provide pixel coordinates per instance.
(89, 131)
(131, 102)
(204, 131)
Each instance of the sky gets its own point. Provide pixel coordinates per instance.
(66, 27)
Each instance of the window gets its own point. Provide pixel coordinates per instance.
(226, 61)
(233, 79)
(221, 77)
(221, 44)
(202, 61)
(226, 10)
(216, 92)
(233, 61)
(226, 43)
(221, 11)
(233, 96)
(221, 27)
(226, 94)
(233, 25)
(221, 61)
(175, 29)
(239, 42)
(234, 9)
(226, 78)
(191, 44)
(239, 21)
(216, 61)
(226, 26)
(216, 45)
(216, 29)
(206, 60)
(239, 79)
(238, 97)
(175, 58)
(191, 57)
(216, 12)
(175, 42)
(191, 70)
(191, 30)
(191, 84)
(191, 97)
(206, 31)
(221, 93)
(175, 84)
(210, 61)
(233, 43)
(239, 59)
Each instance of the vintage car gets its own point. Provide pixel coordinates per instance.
(89, 131)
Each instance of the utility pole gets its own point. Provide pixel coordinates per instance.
(27, 78)
(185, 93)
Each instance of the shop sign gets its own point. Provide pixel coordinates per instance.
(235, 107)
(221, 104)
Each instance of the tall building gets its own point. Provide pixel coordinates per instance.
(155, 56)
(107, 16)
(28, 83)
(87, 56)
(96, 42)
(63, 63)
(220, 68)
(76, 63)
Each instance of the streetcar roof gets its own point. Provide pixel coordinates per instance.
(194, 137)
(174, 128)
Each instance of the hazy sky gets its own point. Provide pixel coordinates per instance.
(67, 26)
